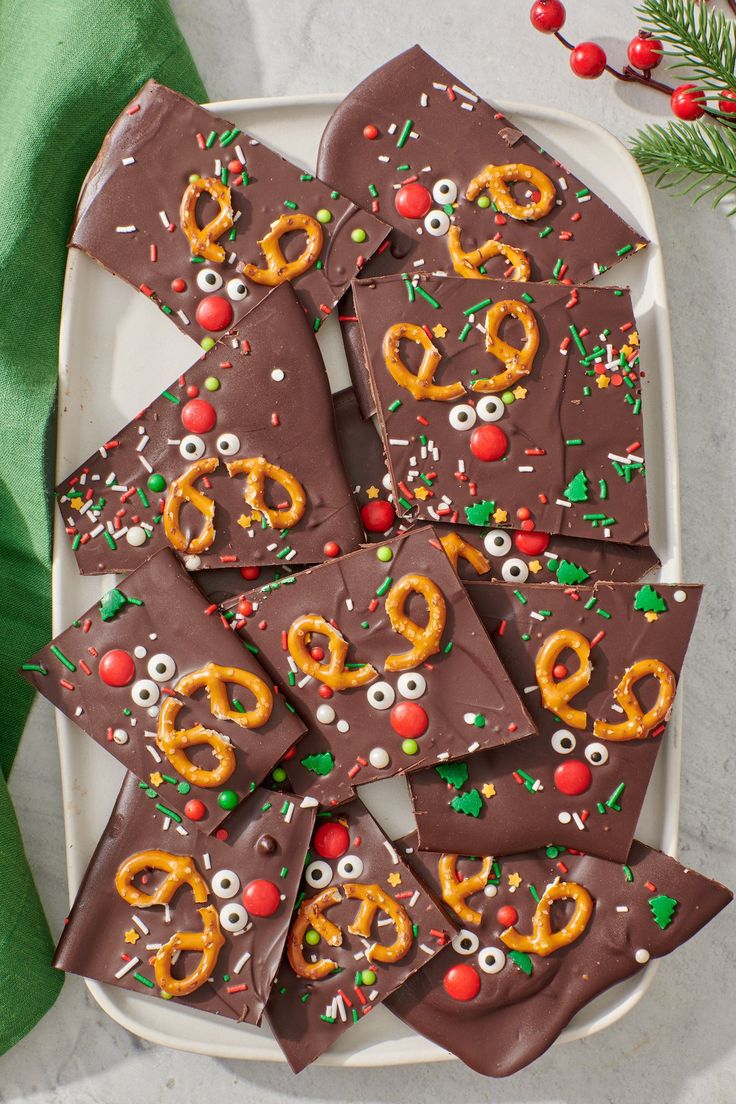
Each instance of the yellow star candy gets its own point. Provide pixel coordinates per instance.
(488, 790)
(76, 503)
(535, 566)
(372, 492)
(132, 936)
(602, 382)
(651, 615)
(156, 778)
(519, 392)
(421, 493)
(515, 880)
(394, 879)
(500, 515)
(439, 330)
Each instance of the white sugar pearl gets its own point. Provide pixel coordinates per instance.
(469, 718)
(680, 595)
(490, 890)
(136, 536)
(139, 652)
(642, 956)
(153, 711)
(325, 714)
(192, 563)
(379, 758)
(277, 375)
(343, 726)
(564, 818)
(120, 736)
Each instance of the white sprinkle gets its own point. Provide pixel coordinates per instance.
(584, 199)
(153, 753)
(391, 851)
(562, 502)
(439, 87)
(423, 946)
(564, 818)
(464, 93)
(103, 452)
(467, 107)
(308, 803)
(207, 860)
(349, 603)
(97, 530)
(167, 823)
(183, 317)
(167, 914)
(218, 166)
(277, 375)
(139, 924)
(128, 161)
(165, 219)
(526, 468)
(142, 443)
(578, 822)
(392, 128)
(289, 813)
(181, 830)
(382, 157)
(536, 616)
(397, 441)
(127, 967)
(415, 895)
(622, 908)
(474, 746)
(145, 464)
(423, 99)
(419, 264)
(642, 956)
(305, 681)
(341, 1008)
(240, 155)
(443, 755)
(530, 689)
(125, 229)
(241, 962)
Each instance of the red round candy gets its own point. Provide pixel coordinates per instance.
(688, 102)
(409, 720)
(192, 391)
(377, 516)
(370, 132)
(331, 549)
(214, 313)
(462, 982)
(727, 101)
(198, 416)
(222, 834)
(527, 525)
(331, 841)
(413, 201)
(317, 653)
(117, 668)
(523, 513)
(261, 897)
(588, 60)
(548, 16)
(195, 809)
(532, 544)
(572, 777)
(560, 671)
(489, 442)
(250, 573)
(245, 608)
(325, 691)
(645, 52)
(235, 166)
(179, 285)
(507, 916)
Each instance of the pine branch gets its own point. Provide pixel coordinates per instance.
(691, 158)
(703, 39)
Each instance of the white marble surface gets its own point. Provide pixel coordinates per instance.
(678, 1044)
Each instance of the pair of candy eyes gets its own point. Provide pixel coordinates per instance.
(233, 916)
(209, 280)
(437, 222)
(563, 742)
(381, 695)
(161, 668)
(192, 447)
(489, 409)
(490, 959)
(319, 874)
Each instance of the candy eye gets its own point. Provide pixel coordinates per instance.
(228, 444)
(209, 280)
(236, 289)
(225, 883)
(596, 754)
(465, 942)
(491, 960)
(564, 742)
(381, 695)
(515, 571)
(161, 667)
(462, 417)
(318, 874)
(490, 408)
(145, 692)
(437, 223)
(444, 191)
(192, 448)
(233, 917)
(412, 685)
(350, 867)
(497, 542)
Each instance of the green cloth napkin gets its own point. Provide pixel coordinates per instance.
(68, 68)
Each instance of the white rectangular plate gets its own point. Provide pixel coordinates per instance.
(117, 353)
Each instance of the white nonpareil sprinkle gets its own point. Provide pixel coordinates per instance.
(153, 753)
(207, 860)
(127, 967)
(139, 924)
(391, 851)
(164, 219)
(125, 229)
(128, 161)
(562, 502)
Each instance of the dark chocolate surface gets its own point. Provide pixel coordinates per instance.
(574, 413)
(523, 794)
(128, 215)
(267, 394)
(104, 937)
(520, 1009)
(308, 1015)
(170, 625)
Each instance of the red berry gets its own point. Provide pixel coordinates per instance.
(548, 16)
(370, 132)
(413, 201)
(325, 692)
(214, 313)
(331, 841)
(532, 544)
(117, 668)
(489, 442)
(644, 52)
(179, 285)
(688, 102)
(331, 549)
(198, 416)
(507, 916)
(409, 720)
(462, 982)
(377, 516)
(727, 101)
(261, 897)
(250, 573)
(195, 809)
(572, 777)
(588, 60)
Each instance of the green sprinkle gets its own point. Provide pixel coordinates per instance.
(637, 407)
(327, 1019)
(62, 658)
(448, 648)
(110, 540)
(577, 339)
(365, 624)
(170, 397)
(403, 168)
(628, 873)
(144, 980)
(520, 596)
(34, 667)
(229, 136)
(316, 324)
(558, 266)
(266, 807)
(582, 192)
(586, 391)
(603, 489)
(305, 997)
(406, 505)
(76, 542)
(604, 613)
(623, 250)
(373, 190)
(590, 603)
(211, 139)
(409, 288)
(547, 230)
(253, 650)
(464, 332)
(533, 891)
(334, 195)
(405, 132)
(283, 871)
(574, 441)
(527, 297)
(385, 585)
(612, 802)
(477, 307)
(601, 807)
(284, 552)
(168, 812)
(430, 298)
(394, 405)
(291, 205)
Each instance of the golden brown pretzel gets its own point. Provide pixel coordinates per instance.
(543, 941)
(424, 639)
(372, 900)
(310, 914)
(180, 870)
(215, 679)
(209, 942)
(278, 270)
(455, 893)
(468, 264)
(639, 724)
(518, 362)
(174, 741)
(457, 548)
(557, 694)
(182, 490)
(258, 470)
(332, 673)
(203, 239)
(496, 178)
(420, 384)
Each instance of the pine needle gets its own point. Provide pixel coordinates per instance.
(703, 39)
(690, 158)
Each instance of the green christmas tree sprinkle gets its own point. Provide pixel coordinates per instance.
(469, 803)
(321, 763)
(455, 774)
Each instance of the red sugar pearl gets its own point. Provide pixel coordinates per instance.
(235, 166)
(370, 132)
(317, 653)
(250, 573)
(325, 692)
(572, 777)
(507, 916)
(195, 809)
(532, 544)
(198, 416)
(489, 442)
(117, 668)
(192, 391)
(261, 897)
(409, 720)
(178, 285)
(462, 982)
(331, 549)
(331, 840)
(214, 313)
(560, 671)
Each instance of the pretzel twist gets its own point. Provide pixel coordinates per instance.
(214, 679)
(556, 695)
(455, 892)
(173, 742)
(203, 239)
(209, 942)
(457, 548)
(469, 264)
(182, 490)
(518, 362)
(310, 914)
(258, 470)
(424, 639)
(372, 900)
(332, 673)
(421, 383)
(278, 270)
(639, 724)
(180, 870)
(543, 941)
(496, 178)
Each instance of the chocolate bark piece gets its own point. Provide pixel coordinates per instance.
(247, 432)
(150, 670)
(387, 928)
(431, 137)
(640, 911)
(582, 781)
(146, 188)
(429, 706)
(250, 881)
(548, 424)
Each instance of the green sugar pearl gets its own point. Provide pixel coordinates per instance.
(207, 343)
(311, 937)
(384, 554)
(156, 482)
(183, 788)
(193, 177)
(508, 398)
(358, 236)
(410, 747)
(368, 977)
(483, 201)
(228, 799)
(323, 215)
(278, 774)
(212, 383)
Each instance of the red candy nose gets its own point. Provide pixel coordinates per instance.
(198, 416)
(261, 897)
(413, 201)
(572, 777)
(489, 442)
(214, 313)
(409, 720)
(377, 516)
(117, 668)
(532, 544)
(462, 982)
(331, 840)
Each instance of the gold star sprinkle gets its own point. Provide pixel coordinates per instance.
(515, 880)
(535, 566)
(372, 492)
(76, 503)
(519, 392)
(394, 879)
(602, 382)
(421, 493)
(651, 615)
(634, 337)
(488, 790)
(132, 936)
(244, 521)
(439, 330)
(156, 778)
(500, 515)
